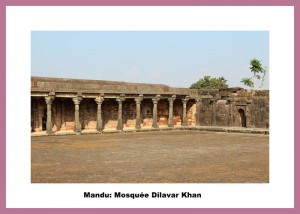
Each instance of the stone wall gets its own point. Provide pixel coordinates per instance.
(177, 112)
(110, 113)
(88, 114)
(147, 113)
(162, 112)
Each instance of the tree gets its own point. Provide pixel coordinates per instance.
(259, 74)
(210, 83)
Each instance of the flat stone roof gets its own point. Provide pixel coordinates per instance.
(47, 84)
(68, 85)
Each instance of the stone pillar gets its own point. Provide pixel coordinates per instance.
(214, 119)
(120, 116)
(171, 101)
(99, 101)
(138, 101)
(155, 101)
(49, 101)
(198, 109)
(184, 119)
(77, 101)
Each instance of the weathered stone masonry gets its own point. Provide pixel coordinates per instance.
(70, 104)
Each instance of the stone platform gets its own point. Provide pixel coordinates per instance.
(163, 128)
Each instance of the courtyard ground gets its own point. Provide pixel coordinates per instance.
(185, 156)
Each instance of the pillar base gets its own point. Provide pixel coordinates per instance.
(137, 127)
(120, 128)
(49, 132)
(155, 126)
(49, 128)
(99, 130)
(77, 131)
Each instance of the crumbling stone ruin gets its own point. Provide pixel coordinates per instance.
(75, 104)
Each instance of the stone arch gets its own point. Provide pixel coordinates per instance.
(242, 117)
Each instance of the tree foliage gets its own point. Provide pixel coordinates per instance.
(210, 83)
(258, 72)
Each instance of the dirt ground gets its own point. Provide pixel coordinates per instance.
(151, 157)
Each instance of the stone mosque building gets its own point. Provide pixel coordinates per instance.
(59, 104)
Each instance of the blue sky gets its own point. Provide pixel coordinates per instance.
(174, 58)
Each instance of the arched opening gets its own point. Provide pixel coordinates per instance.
(242, 117)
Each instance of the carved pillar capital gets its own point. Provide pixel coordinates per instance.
(77, 100)
(185, 100)
(99, 100)
(156, 99)
(120, 99)
(172, 99)
(49, 100)
(139, 99)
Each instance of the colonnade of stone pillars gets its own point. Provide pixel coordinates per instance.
(99, 100)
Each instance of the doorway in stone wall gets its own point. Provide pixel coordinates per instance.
(44, 120)
(242, 117)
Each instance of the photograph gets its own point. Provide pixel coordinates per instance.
(149, 107)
